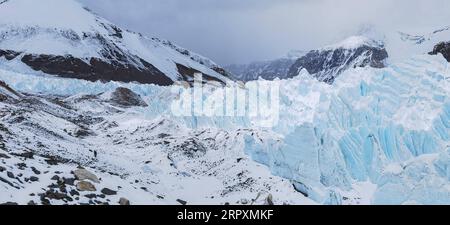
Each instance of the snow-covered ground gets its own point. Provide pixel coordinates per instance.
(376, 136)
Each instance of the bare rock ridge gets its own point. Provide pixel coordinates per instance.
(443, 48)
(324, 64)
(328, 63)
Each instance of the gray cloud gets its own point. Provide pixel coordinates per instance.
(237, 31)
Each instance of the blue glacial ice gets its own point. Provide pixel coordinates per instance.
(389, 127)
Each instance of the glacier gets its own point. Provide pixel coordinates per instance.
(375, 136)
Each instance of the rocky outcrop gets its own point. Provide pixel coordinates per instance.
(326, 64)
(443, 48)
(127, 98)
(124, 201)
(96, 69)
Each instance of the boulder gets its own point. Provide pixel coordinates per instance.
(126, 98)
(107, 191)
(83, 174)
(85, 186)
(124, 201)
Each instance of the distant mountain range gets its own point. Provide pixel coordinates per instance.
(325, 64)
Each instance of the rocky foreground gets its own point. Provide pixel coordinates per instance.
(98, 149)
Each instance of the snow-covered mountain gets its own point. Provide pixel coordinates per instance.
(62, 38)
(351, 129)
(267, 70)
(375, 136)
(325, 64)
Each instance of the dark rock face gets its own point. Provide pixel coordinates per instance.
(188, 74)
(9, 55)
(96, 69)
(443, 48)
(127, 98)
(326, 65)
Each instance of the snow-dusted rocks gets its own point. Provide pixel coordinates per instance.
(62, 38)
(83, 174)
(140, 155)
(324, 64)
(327, 63)
(125, 97)
(442, 48)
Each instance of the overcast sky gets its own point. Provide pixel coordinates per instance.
(240, 31)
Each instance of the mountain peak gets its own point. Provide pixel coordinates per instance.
(61, 14)
(63, 38)
(354, 42)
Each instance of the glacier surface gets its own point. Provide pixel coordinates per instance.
(376, 136)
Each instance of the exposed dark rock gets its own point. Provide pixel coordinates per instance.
(188, 74)
(124, 201)
(10, 174)
(127, 98)
(108, 191)
(4, 156)
(269, 200)
(9, 55)
(443, 48)
(51, 194)
(31, 203)
(91, 196)
(8, 183)
(21, 166)
(74, 192)
(97, 69)
(10, 203)
(27, 155)
(35, 171)
(182, 202)
(69, 181)
(326, 65)
(192, 148)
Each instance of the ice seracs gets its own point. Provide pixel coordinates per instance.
(374, 136)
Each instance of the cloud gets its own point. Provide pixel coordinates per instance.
(239, 31)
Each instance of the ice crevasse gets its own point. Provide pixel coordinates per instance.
(389, 128)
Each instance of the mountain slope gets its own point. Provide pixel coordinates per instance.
(267, 70)
(324, 64)
(61, 37)
(327, 63)
(46, 139)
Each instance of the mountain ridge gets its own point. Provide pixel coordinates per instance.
(71, 41)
